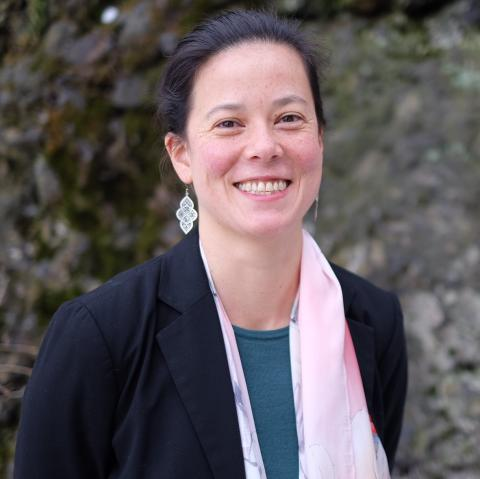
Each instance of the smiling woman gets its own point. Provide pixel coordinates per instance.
(242, 141)
(242, 352)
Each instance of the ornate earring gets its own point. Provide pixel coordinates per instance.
(186, 214)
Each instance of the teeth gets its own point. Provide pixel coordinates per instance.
(261, 187)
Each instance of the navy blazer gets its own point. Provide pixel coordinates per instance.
(132, 379)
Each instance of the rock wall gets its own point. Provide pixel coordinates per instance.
(85, 191)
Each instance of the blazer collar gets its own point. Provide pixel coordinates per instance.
(193, 347)
(362, 334)
(183, 280)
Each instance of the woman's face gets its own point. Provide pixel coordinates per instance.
(252, 148)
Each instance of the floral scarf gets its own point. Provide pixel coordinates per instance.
(336, 438)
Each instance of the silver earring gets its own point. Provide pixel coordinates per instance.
(315, 211)
(186, 214)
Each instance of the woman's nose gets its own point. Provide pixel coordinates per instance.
(263, 144)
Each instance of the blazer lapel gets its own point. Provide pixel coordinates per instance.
(193, 347)
(362, 334)
(195, 354)
(363, 342)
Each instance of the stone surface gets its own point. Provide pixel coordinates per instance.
(82, 195)
(90, 48)
(59, 37)
(137, 22)
(131, 91)
(167, 43)
(48, 185)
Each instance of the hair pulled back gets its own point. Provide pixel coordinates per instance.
(219, 33)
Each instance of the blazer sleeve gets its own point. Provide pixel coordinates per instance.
(393, 373)
(68, 407)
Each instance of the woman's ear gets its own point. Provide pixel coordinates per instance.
(179, 156)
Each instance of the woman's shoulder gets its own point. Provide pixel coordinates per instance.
(139, 287)
(119, 306)
(116, 308)
(371, 305)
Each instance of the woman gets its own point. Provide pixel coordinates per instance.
(241, 352)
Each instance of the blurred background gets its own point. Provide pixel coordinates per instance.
(84, 192)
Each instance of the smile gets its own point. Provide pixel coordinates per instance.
(263, 187)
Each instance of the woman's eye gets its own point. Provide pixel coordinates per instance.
(227, 124)
(290, 118)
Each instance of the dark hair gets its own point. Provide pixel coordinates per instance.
(219, 33)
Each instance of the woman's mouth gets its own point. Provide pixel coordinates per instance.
(258, 187)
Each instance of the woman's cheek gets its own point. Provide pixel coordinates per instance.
(309, 158)
(216, 159)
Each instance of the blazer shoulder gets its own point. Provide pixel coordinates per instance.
(355, 285)
(126, 306)
(119, 305)
(136, 284)
(373, 306)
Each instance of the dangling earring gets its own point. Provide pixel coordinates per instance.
(315, 211)
(186, 214)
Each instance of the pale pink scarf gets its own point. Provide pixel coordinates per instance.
(335, 435)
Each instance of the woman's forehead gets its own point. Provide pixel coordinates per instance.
(250, 68)
(241, 54)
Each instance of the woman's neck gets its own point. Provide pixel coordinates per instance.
(256, 279)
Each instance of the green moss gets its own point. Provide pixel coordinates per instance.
(43, 250)
(198, 10)
(140, 54)
(104, 260)
(149, 237)
(410, 42)
(38, 16)
(65, 128)
(82, 212)
(98, 192)
(463, 77)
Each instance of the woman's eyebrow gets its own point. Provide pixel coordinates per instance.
(224, 106)
(283, 101)
(286, 100)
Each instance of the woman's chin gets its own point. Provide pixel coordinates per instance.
(269, 227)
(257, 225)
